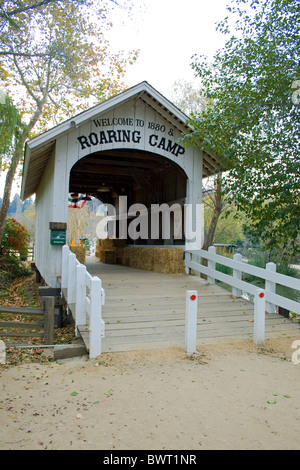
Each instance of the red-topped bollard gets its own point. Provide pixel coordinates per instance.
(191, 321)
(259, 317)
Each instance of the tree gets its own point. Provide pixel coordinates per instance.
(192, 101)
(254, 123)
(54, 61)
(10, 128)
(222, 222)
(188, 97)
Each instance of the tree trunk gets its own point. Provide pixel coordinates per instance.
(209, 239)
(218, 206)
(16, 158)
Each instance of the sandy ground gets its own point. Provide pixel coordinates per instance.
(230, 396)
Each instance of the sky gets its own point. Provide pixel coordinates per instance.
(167, 33)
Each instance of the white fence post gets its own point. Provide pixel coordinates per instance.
(188, 257)
(236, 274)
(191, 321)
(76, 281)
(270, 286)
(259, 317)
(211, 265)
(65, 267)
(71, 293)
(80, 310)
(95, 317)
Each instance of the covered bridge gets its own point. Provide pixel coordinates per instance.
(130, 146)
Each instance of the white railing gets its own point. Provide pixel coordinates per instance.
(85, 296)
(265, 300)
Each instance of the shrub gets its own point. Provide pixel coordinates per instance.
(15, 238)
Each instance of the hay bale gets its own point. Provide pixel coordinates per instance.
(126, 256)
(98, 248)
(175, 262)
(161, 260)
(147, 259)
(134, 259)
(80, 253)
(107, 244)
(168, 260)
(119, 242)
(119, 255)
(108, 256)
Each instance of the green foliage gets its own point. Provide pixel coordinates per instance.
(259, 258)
(229, 227)
(57, 62)
(253, 124)
(10, 127)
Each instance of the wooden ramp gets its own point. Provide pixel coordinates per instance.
(146, 310)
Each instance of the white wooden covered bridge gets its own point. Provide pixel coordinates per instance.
(129, 148)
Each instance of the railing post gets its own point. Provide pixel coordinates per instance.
(270, 286)
(191, 321)
(187, 257)
(211, 265)
(65, 267)
(259, 317)
(237, 274)
(71, 293)
(80, 311)
(95, 317)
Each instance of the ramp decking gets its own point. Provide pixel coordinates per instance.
(146, 310)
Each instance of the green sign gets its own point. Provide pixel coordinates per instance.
(57, 237)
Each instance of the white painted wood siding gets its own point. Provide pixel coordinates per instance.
(52, 193)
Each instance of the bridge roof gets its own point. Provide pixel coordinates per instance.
(39, 149)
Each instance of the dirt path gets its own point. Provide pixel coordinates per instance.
(231, 396)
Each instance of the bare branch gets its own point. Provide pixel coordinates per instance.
(22, 54)
(7, 14)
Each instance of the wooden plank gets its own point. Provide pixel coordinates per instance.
(49, 291)
(15, 324)
(37, 334)
(22, 310)
(67, 351)
(57, 226)
(49, 320)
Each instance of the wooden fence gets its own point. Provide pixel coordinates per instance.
(265, 300)
(42, 329)
(84, 296)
